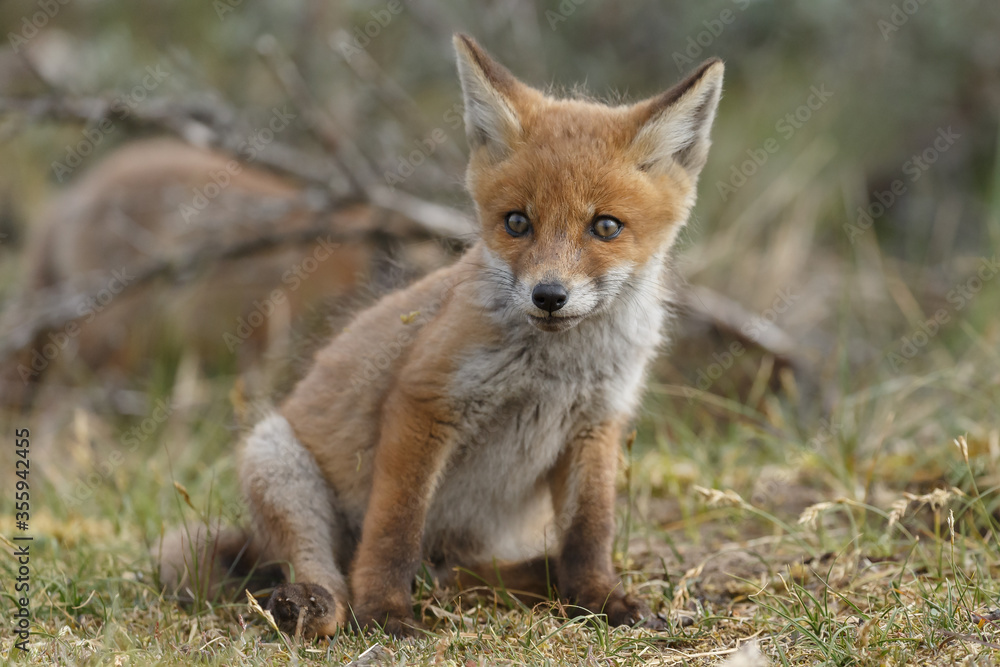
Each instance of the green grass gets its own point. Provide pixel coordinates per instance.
(895, 559)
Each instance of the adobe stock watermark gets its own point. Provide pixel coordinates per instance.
(380, 360)
(83, 489)
(565, 9)
(247, 150)
(959, 297)
(58, 341)
(121, 108)
(224, 7)
(765, 489)
(699, 42)
(31, 25)
(913, 169)
(898, 17)
(752, 331)
(362, 35)
(423, 148)
(786, 127)
(293, 278)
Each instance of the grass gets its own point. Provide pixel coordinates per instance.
(880, 548)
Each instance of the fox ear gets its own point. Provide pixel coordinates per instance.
(674, 127)
(489, 90)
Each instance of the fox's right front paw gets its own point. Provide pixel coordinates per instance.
(306, 609)
(394, 622)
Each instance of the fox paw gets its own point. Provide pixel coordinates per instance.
(303, 609)
(626, 610)
(622, 610)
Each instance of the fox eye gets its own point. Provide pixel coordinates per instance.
(517, 223)
(606, 228)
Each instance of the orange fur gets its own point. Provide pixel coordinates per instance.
(473, 420)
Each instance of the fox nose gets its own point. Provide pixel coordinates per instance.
(549, 296)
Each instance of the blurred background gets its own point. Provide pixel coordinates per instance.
(838, 321)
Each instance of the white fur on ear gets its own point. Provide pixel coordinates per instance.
(676, 125)
(490, 119)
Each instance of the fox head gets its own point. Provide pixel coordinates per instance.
(579, 202)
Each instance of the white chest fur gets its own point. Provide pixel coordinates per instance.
(521, 402)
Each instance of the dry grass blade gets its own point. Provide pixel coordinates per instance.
(717, 498)
(269, 619)
(184, 494)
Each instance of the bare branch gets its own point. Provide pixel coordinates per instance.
(204, 124)
(439, 219)
(53, 308)
(212, 125)
(731, 317)
(322, 125)
(390, 94)
(442, 220)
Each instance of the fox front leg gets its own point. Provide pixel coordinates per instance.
(583, 492)
(411, 452)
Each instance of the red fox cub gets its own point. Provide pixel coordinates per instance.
(473, 420)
